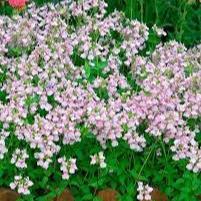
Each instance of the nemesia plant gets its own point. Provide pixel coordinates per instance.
(74, 82)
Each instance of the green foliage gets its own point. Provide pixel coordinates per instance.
(180, 18)
(95, 70)
(161, 171)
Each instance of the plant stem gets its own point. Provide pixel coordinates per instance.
(139, 174)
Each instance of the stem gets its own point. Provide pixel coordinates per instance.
(141, 10)
(163, 147)
(182, 22)
(156, 10)
(131, 9)
(144, 164)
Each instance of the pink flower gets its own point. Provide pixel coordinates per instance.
(19, 4)
(144, 191)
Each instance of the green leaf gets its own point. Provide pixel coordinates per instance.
(87, 69)
(87, 197)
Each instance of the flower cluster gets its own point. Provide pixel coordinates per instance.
(19, 158)
(67, 167)
(63, 66)
(98, 159)
(144, 191)
(3, 136)
(170, 78)
(22, 184)
(19, 4)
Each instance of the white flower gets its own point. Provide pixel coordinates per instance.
(67, 167)
(98, 159)
(19, 158)
(144, 191)
(21, 184)
(159, 31)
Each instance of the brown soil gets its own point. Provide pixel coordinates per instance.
(108, 195)
(65, 196)
(156, 195)
(8, 195)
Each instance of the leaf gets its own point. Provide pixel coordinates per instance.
(43, 183)
(87, 70)
(87, 197)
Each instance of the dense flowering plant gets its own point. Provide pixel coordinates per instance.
(77, 82)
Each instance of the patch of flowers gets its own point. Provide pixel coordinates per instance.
(62, 69)
(98, 159)
(67, 167)
(144, 191)
(19, 158)
(22, 184)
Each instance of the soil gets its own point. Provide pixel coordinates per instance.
(157, 195)
(105, 195)
(8, 195)
(108, 195)
(65, 196)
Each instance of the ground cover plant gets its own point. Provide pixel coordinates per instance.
(91, 99)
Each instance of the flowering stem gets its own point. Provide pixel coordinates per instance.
(163, 147)
(152, 148)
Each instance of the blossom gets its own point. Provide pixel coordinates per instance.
(3, 149)
(22, 184)
(98, 159)
(19, 158)
(144, 191)
(159, 31)
(68, 167)
(19, 4)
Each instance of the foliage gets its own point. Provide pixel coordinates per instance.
(180, 18)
